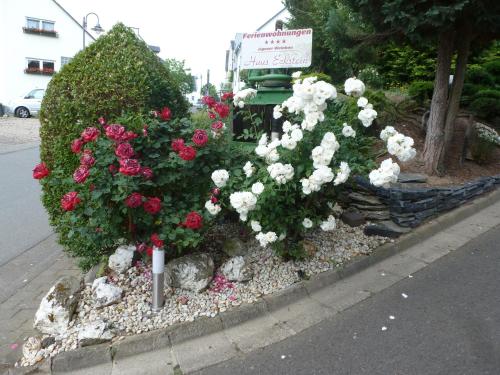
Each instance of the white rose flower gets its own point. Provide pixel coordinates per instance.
(348, 131)
(342, 174)
(287, 142)
(248, 169)
(256, 227)
(277, 112)
(387, 132)
(307, 223)
(296, 135)
(213, 209)
(354, 87)
(362, 102)
(258, 188)
(220, 177)
(296, 74)
(387, 173)
(287, 126)
(366, 116)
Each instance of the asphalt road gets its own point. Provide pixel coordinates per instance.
(23, 220)
(448, 324)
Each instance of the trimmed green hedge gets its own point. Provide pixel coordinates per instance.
(116, 75)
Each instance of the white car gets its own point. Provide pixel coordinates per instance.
(27, 106)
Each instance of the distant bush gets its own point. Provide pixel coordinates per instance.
(478, 75)
(371, 77)
(421, 91)
(486, 107)
(493, 68)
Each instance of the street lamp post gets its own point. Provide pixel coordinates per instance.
(97, 28)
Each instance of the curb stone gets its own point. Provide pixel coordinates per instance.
(104, 354)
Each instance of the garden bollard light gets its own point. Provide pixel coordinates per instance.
(158, 279)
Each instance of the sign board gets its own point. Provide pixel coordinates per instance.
(276, 49)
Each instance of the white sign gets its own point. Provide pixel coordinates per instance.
(276, 49)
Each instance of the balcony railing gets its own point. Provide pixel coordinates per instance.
(44, 71)
(30, 30)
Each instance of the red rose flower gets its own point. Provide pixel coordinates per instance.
(193, 220)
(145, 130)
(69, 201)
(213, 199)
(115, 132)
(215, 191)
(155, 239)
(211, 115)
(112, 169)
(40, 171)
(128, 136)
(76, 145)
(200, 137)
(165, 114)
(177, 144)
(149, 251)
(227, 96)
(187, 153)
(81, 174)
(101, 121)
(124, 151)
(222, 109)
(134, 200)
(147, 173)
(217, 126)
(90, 134)
(129, 167)
(209, 101)
(152, 205)
(91, 187)
(87, 159)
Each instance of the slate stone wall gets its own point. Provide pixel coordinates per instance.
(409, 204)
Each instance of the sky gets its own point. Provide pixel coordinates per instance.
(196, 31)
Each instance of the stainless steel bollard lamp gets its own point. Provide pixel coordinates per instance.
(158, 279)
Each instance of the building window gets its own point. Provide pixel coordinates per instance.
(65, 60)
(40, 66)
(40, 27)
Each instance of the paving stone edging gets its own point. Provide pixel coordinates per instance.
(102, 354)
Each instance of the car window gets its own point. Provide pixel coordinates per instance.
(38, 94)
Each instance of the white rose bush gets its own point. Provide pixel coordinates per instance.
(287, 186)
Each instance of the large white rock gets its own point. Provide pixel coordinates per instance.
(237, 269)
(121, 260)
(105, 294)
(93, 333)
(192, 272)
(58, 305)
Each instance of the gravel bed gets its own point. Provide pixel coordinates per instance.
(133, 314)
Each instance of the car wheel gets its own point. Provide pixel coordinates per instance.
(22, 112)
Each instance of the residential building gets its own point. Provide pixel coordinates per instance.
(233, 54)
(39, 37)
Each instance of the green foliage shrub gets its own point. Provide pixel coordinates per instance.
(493, 68)
(115, 75)
(371, 77)
(486, 107)
(421, 91)
(478, 75)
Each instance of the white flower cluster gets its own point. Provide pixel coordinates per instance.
(268, 151)
(342, 173)
(292, 134)
(354, 87)
(213, 209)
(387, 173)
(256, 227)
(348, 131)
(242, 95)
(220, 177)
(309, 98)
(258, 188)
(243, 202)
(319, 177)
(281, 173)
(329, 224)
(398, 144)
(266, 238)
(248, 168)
(323, 154)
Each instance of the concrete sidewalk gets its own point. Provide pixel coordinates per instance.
(24, 281)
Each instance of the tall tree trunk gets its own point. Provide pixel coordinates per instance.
(434, 140)
(463, 46)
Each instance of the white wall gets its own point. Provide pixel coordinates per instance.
(16, 45)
